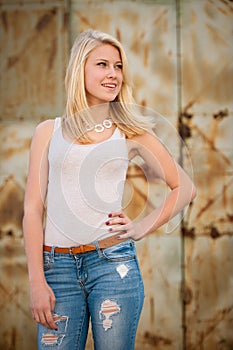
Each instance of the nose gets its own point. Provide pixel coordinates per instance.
(111, 72)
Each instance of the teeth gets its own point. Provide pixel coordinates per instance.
(110, 85)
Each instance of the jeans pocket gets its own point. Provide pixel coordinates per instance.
(47, 261)
(124, 251)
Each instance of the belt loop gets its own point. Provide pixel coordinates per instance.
(52, 253)
(96, 244)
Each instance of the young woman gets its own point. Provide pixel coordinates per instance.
(81, 259)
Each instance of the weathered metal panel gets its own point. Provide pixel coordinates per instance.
(207, 69)
(207, 114)
(34, 51)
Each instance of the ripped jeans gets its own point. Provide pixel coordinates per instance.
(104, 286)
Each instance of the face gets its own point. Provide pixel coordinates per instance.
(103, 74)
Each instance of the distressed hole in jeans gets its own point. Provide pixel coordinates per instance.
(56, 337)
(108, 309)
(122, 270)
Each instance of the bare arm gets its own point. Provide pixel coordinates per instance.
(42, 299)
(182, 188)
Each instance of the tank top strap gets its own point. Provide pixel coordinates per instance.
(57, 123)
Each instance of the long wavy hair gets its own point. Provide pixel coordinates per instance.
(77, 112)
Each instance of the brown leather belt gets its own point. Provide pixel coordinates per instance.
(104, 243)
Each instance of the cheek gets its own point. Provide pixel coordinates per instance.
(120, 83)
(120, 78)
(89, 82)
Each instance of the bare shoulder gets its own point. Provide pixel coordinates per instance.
(45, 127)
(44, 130)
(42, 135)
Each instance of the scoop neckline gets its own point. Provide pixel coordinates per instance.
(88, 144)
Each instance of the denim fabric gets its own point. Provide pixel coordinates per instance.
(104, 286)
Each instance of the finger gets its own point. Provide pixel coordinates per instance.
(119, 228)
(33, 314)
(36, 317)
(119, 213)
(40, 318)
(122, 221)
(124, 235)
(50, 320)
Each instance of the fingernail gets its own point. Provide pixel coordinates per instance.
(107, 222)
(118, 237)
(110, 229)
(109, 215)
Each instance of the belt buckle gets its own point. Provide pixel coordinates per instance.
(79, 249)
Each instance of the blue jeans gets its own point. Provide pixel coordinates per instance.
(104, 286)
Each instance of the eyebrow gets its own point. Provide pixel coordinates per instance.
(103, 59)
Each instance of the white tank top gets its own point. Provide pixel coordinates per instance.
(85, 184)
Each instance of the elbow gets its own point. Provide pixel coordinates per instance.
(31, 213)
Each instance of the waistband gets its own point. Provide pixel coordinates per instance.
(83, 248)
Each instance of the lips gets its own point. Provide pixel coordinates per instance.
(110, 85)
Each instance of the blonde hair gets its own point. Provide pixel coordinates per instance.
(122, 109)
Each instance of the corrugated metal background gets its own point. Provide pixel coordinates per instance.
(181, 58)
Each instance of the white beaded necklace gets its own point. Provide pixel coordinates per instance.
(106, 124)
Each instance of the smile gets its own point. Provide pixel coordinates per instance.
(110, 85)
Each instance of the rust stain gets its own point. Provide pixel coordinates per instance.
(4, 20)
(42, 23)
(65, 20)
(186, 293)
(136, 46)
(230, 217)
(193, 17)
(227, 4)
(44, 20)
(184, 130)
(143, 103)
(12, 151)
(11, 61)
(12, 296)
(146, 54)
(152, 313)
(214, 233)
(188, 232)
(11, 207)
(221, 114)
(118, 34)
(84, 19)
(210, 142)
(53, 53)
(214, 323)
(222, 11)
(132, 18)
(160, 16)
(184, 126)
(216, 37)
(209, 203)
(156, 340)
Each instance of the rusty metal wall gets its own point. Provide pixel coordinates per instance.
(180, 54)
(206, 116)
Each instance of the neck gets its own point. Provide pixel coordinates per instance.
(100, 112)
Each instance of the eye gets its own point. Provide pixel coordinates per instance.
(119, 66)
(101, 64)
